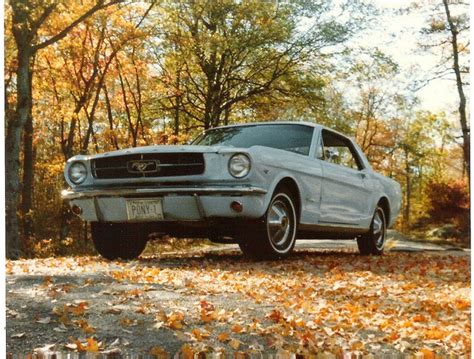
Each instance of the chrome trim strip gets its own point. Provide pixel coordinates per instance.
(91, 193)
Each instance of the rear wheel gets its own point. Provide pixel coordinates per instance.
(373, 242)
(119, 240)
(275, 236)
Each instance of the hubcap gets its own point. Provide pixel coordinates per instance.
(279, 223)
(379, 230)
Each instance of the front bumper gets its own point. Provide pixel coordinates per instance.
(190, 203)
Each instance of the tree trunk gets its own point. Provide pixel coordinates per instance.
(12, 151)
(462, 98)
(28, 170)
(407, 192)
(27, 185)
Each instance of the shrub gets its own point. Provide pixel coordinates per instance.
(448, 202)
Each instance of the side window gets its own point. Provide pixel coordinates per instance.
(339, 150)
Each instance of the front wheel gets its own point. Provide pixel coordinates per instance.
(119, 240)
(275, 236)
(373, 242)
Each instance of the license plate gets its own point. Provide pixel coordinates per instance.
(144, 209)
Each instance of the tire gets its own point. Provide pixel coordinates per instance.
(119, 240)
(373, 242)
(275, 235)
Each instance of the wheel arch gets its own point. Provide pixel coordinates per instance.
(291, 184)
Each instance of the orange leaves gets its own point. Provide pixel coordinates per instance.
(462, 304)
(90, 345)
(275, 315)
(419, 318)
(174, 320)
(236, 328)
(208, 312)
(308, 304)
(223, 337)
(158, 352)
(427, 353)
(435, 334)
(84, 325)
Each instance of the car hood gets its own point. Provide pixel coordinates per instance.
(169, 149)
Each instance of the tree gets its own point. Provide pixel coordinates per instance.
(454, 25)
(448, 35)
(231, 52)
(28, 19)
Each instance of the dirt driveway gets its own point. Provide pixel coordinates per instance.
(323, 299)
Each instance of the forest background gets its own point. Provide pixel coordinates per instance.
(92, 76)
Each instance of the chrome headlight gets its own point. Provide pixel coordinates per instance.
(239, 165)
(77, 172)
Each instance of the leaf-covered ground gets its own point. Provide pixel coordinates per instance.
(317, 301)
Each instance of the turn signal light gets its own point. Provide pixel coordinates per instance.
(76, 210)
(237, 206)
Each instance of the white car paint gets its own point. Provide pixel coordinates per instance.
(331, 196)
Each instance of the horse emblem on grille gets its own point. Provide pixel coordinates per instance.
(142, 166)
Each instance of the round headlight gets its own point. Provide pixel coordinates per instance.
(77, 172)
(239, 165)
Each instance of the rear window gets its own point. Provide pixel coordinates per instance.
(293, 138)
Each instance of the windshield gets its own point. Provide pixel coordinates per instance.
(293, 138)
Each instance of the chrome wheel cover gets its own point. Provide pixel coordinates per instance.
(281, 223)
(378, 230)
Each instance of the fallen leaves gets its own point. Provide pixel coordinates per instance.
(90, 345)
(173, 320)
(334, 302)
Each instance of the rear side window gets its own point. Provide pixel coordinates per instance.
(340, 151)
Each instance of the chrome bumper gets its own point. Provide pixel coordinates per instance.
(161, 191)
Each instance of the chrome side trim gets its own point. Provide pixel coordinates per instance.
(104, 192)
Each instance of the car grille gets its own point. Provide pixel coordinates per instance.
(148, 165)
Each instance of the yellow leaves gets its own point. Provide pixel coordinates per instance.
(358, 345)
(197, 334)
(174, 320)
(435, 334)
(235, 344)
(92, 345)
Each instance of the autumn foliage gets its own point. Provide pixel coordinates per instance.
(145, 73)
(449, 203)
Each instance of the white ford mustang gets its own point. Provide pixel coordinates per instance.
(261, 185)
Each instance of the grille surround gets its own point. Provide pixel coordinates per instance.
(165, 165)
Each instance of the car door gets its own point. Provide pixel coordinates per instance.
(345, 193)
